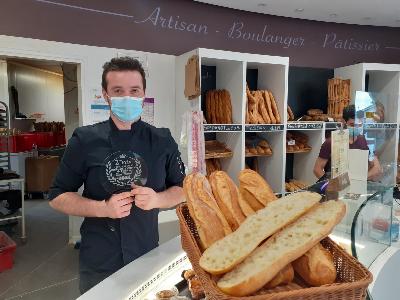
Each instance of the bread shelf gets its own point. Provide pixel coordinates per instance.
(219, 155)
(232, 70)
(299, 151)
(258, 155)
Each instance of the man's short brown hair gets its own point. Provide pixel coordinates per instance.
(125, 63)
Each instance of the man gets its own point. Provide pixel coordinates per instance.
(118, 228)
(356, 141)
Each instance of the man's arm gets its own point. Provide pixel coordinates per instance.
(146, 198)
(118, 206)
(375, 172)
(319, 166)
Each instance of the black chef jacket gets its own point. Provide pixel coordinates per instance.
(109, 244)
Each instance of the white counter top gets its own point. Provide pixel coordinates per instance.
(125, 282)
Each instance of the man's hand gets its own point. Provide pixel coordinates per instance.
(119, 205)
(145, 198)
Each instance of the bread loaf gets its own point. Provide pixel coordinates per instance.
(284, 276)
(316, 267)
(209, 220)
(281, 249)
(256, 186)
(227, 197)
(226, 253)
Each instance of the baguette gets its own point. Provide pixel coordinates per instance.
(261, 108)
(249, 198)
(208, 108)
(290, 112)
(253, 183)
(213, 105)
(274, 108)
(316, 267)
(204, 193)
(281, 249)
(229, 107)
(227, 196)
(284, 276)
(226, 253)
(208, 224)
(269, 107)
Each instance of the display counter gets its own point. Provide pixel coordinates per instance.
(367, 231)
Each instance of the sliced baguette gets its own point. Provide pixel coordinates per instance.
(281, 249)
(226, 253)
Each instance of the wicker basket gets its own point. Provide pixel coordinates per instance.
(351, 283)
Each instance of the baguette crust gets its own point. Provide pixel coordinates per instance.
(316, 267)
(284, 276)
(254, 184)
(207, 219)
(227, 197)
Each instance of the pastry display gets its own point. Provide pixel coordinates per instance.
(218, 107)
(296, 141)
(216, 149)
(315, 115)
(338, 96)
(257, 146)
(261, 108)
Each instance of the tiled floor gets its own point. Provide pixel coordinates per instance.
(46, 267)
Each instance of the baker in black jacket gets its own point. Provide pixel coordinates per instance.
(118, 227)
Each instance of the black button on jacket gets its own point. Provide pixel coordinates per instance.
(108, 244)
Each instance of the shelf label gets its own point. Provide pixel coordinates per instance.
(291, 126)
(222, 127)
(265, 127)
(380, 126)
(332, 125)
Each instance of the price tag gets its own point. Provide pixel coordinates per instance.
(291, 143)
(340, 152)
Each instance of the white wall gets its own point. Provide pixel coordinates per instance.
(39, 91)
(3, 82)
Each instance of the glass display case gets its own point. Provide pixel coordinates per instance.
(367, 231)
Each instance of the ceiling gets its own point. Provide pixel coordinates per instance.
(48, 65)
(361, 12)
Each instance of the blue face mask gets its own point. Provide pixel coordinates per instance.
(354, 131)
(127, 109)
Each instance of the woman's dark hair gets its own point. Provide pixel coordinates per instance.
(349, 112)
(125, 63)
